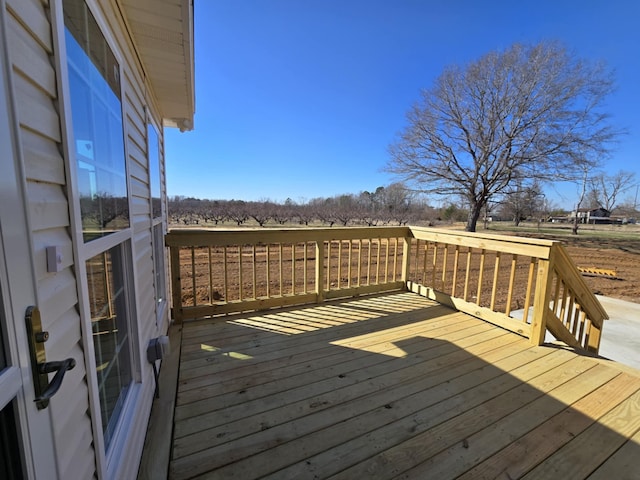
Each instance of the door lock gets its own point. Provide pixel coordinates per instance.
(40, 368)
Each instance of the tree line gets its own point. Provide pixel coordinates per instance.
(390, 205)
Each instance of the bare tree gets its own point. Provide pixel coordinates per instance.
(583, 182)
(260, 211)
(606, 190)
(528, 112)
(237, 210)
(520, 202)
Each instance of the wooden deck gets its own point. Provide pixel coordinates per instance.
(395, 386)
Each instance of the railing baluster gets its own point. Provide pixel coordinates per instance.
(494, 289)
(558, 300)
(293, 268)
(434, 265)
(281, 266)
(406, 259)
(226, 274)
(328, 265)
(255, 277)
(527, 298)
(359, 261)
(339, 264)
(210, 278)
(378, 262)
(583, 322)
(304, 268)
(320, 269)
(369, 241)
(268, 273)
(395, 259)
(350, 260)
(512, 281)
(465, 295)
(456, 259)
(423, 276)
(480, 275)
(193, 276)
(415, 261)
(240, 272)
(445, 256)
(386, 262)
(576, 318)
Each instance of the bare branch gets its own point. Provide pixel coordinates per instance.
(529, 112)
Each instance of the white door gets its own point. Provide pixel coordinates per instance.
(26, 442)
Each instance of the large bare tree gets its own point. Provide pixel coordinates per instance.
(606, 189)
(530, 112)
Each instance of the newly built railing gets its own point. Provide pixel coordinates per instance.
(524, 285)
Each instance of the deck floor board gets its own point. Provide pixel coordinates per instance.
(394, 386)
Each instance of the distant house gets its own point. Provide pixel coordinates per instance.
(86, 89)
(591, 215)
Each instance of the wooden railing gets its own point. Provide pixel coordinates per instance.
(524, 285)
(238, 270)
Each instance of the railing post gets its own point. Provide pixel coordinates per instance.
(593, 343)
(406, 258)
(176, 284)
(320, 271)
(541, 300)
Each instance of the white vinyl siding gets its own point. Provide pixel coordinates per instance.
(35, 89)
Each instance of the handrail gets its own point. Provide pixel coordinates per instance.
(525, 285)
(472, 272)
(247, 269)
(575, 315)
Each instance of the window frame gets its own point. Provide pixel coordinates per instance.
(108, 458)
(158, 252)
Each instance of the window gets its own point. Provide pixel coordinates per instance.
(108, 301)
(101, 181)
(160, 286)
(158, 265)
(94, 82)
(154, 171)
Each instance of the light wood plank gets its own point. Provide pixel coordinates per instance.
(373, 356)
(379, 364)
(591, 448)
(416, 413)
(383, 386)
(463, 453)
(519, 457)
(622, 464)
(267, 439)
(421, 447)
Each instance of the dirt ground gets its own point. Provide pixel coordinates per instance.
(622, 256)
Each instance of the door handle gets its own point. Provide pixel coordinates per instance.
(40, 368)
(60, 368)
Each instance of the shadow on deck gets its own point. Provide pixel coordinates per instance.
(389, 386)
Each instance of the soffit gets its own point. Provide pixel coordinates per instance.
(162, 31)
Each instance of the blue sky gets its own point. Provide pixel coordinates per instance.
(301, 98)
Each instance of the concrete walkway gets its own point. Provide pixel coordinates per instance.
(621, 334)
(620, 340)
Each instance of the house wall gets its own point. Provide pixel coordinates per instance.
(34, 35)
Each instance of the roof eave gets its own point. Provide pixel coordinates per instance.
(162, 31)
